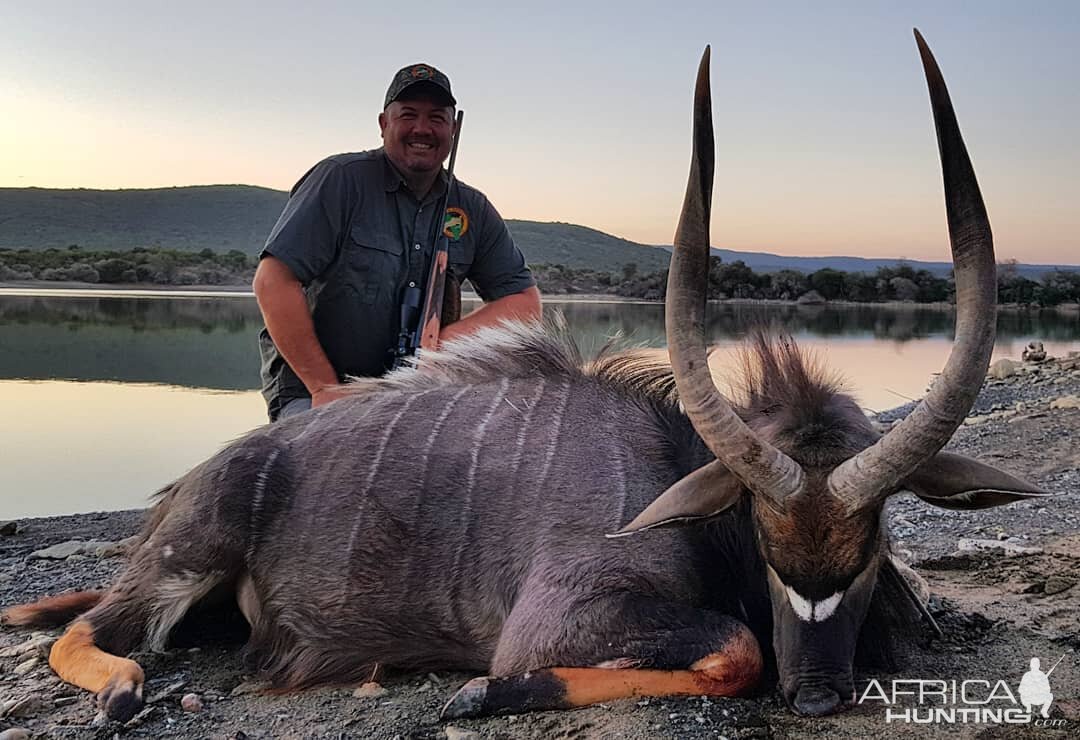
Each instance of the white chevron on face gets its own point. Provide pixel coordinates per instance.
(813, 611)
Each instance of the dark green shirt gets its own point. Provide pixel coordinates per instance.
(356, 237)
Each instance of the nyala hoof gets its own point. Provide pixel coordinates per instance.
(120, 699)
(468, 702)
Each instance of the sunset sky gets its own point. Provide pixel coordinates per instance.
(576, 112)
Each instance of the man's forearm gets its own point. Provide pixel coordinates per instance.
(523, 306)
(288, 320)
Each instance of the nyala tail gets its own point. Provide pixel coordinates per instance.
(52, 611)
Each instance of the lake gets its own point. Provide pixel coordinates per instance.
(108, 397)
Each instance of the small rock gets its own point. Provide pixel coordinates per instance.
(426, 686)
(1009, 548)
(9, 528)
(165, 692)
(138, 718)
(38, 643)
(1003, 368)
(110, 549)
(191, 703)
(370, 690)
(65, 550)
(1066, 402)
(1034, 352)
(61, 551)
(15, 733)
(25, 667)
(456, 733)
(26, 707)
(1057, 584)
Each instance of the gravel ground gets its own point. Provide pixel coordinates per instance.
(996, 611)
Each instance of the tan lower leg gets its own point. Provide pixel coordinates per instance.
(77, 660)
(732, 672)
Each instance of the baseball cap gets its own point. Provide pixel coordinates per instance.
(418, 74)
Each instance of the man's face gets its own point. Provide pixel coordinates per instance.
(417, 133)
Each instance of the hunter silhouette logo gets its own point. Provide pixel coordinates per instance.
(968, 700)
(1035, 688)
(456, 223)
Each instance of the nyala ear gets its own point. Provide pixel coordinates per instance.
(958, 482)
(707, 492)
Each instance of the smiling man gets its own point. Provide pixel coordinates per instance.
(358, 231)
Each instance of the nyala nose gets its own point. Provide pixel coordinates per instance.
(815, 701)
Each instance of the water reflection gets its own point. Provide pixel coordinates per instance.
(109, 398)
(210, 342)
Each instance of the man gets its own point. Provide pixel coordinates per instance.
(358, 230)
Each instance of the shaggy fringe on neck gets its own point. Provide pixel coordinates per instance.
(775, 373)
(528, 350)
(513, 349)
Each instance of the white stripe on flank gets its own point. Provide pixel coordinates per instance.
(523, 431)
(438, 425)
(374, 469)
(257, 500)
(478, 441)
(385, 439)
(620, 474)
(553, 442)
(465, 517)
(260, 484)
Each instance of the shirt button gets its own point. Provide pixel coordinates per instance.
(412, 284)
(416, 246)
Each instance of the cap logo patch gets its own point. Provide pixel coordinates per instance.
(422, 72)
(456, 223)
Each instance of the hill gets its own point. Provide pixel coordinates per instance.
(225, 217)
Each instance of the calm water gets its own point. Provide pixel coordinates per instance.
(106, 399)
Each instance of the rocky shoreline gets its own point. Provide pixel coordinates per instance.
(1003, 584)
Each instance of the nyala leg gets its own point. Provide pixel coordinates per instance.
(117, 681)
(703, 653)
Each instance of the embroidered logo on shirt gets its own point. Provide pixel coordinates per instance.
(456, 223)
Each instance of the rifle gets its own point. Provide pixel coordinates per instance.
(1058, 663)
(426, 334)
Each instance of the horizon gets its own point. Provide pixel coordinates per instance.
(825, 144)
(665, 245)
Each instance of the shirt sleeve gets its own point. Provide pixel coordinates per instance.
(308, 233)
(499, 268)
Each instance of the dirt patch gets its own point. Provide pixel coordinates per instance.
(996, 612)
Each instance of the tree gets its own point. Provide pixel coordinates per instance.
(828, 282)
(787, 285)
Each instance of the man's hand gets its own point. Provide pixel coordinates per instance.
(325, 396)
(288, 319)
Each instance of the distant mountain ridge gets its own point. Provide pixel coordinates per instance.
(224, 217)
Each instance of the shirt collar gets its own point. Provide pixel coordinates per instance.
(393, 180)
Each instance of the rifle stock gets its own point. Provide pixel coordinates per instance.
(431, 316)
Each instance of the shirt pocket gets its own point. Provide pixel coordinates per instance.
(460, 255)
(372, 264)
